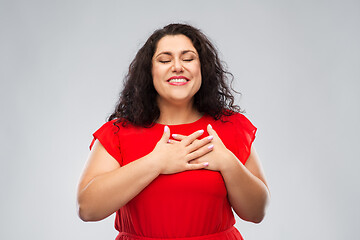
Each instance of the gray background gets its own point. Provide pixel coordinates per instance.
(297, 64)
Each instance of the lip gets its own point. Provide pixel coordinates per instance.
(178, 83)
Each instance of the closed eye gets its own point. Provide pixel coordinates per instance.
(164, 61)
(188, 60)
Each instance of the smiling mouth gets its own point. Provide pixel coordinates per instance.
(178, 80)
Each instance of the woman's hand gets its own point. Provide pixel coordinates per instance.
(178, 156)
(245, 184)
(219, 158)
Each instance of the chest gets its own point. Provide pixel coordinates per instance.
(136, 143)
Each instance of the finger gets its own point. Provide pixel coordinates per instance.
(166, 135)
(196, 166)
(178, 136)
(192, 137)
(196, 161)
(200, 152)
(211, 131)
(199, 143)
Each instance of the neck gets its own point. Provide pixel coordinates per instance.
(173, 114)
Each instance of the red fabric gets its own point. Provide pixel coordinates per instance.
(183, 205)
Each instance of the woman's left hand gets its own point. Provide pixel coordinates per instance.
(219, 158)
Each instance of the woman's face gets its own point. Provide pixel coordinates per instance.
(176, 70)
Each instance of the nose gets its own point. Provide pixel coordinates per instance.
(177, 66)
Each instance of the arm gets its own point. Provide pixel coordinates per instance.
(246, 185)
(104, 186)
(247, 189)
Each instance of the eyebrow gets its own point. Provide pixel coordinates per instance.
(170, 53)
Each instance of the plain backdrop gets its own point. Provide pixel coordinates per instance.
(296, 63)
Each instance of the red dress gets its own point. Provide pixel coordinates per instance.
(187, 205)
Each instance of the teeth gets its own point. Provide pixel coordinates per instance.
(178, 80)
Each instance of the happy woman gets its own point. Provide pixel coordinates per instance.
(176, 155)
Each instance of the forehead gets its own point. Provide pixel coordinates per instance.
(174, 43)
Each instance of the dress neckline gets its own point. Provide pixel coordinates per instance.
(182, 124)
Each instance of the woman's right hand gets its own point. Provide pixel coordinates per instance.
(172, 156)
(105, 186)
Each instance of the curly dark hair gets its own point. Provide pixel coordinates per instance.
(137, 103)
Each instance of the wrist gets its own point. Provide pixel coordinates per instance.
(153, 163)
(230, 163)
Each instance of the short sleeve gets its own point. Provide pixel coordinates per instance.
(246, 135)
(108, 137)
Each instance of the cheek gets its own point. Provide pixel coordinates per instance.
(159, 71)
(156, 76)
(197, 73)
(154, 73)
(197, 70)
(156, 84)
(199, 84)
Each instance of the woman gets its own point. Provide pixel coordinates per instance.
(175, 156)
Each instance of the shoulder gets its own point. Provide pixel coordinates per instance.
(111, 124)
(119, 130)
(108, 136)
(236, 118)
(112, 129)
(115, 125)
(238, 124)
(108, 128)
(244, 132)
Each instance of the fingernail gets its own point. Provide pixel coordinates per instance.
(206, 164)
(174, 135)
(211, 146)
(210, 137)
(201, 131)
(166, 128)
(210, 125)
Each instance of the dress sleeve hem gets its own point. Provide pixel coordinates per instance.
(247, 132)
(250, 145)
(108, 138)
